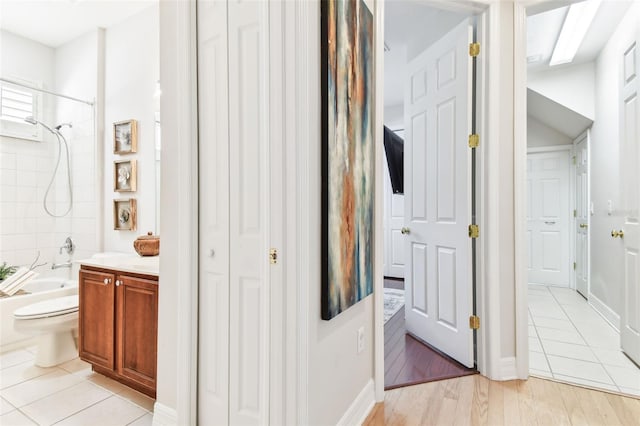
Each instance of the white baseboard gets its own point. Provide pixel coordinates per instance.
(360, 408)
(606, 312)
(508, 368)
(164, 416)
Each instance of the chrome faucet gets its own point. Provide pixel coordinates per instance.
(61, 265)
(68, 246)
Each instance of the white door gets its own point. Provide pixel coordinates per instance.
(548, 218)
(438, 280)
(393, 223)
(581, 152)
(234, 361)
(630, 160)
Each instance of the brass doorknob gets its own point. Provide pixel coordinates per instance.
(618, 234)
(405, 230)
(584, 225)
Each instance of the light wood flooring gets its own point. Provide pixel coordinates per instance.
(475, 400)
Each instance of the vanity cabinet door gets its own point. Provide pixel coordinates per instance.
(97, 318)
(137, 318)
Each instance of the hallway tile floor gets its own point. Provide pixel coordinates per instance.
(68, 394)
(569, 341)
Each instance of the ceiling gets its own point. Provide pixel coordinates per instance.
(555, 115)
(544, 28)
(56, 22)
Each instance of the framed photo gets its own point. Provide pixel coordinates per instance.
(124, 214)
(125, 137)
(124, 175)
(348, 155)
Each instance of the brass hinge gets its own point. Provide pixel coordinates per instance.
(474, 49)
(575, 213)
(474, 141)
(474, 322)
(273, 256)
(574, 265)
(573, 159)
(474, 231)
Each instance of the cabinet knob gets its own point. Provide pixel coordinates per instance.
(118, 283)
(107, 281)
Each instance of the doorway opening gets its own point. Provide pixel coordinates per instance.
(428, 192)
(582, 196)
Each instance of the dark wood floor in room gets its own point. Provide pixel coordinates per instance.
(407, 361)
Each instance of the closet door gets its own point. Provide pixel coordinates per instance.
(248, 39)
(213, 122)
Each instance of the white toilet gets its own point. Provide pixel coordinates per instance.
(53, 321)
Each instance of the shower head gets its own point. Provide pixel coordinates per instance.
(61, 125)
(33, 121)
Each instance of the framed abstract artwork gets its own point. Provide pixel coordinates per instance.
(348, 156)
(124, 175)
(124, 214)
(125, 137)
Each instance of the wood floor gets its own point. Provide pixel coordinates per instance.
(475, 400)
(408, 361)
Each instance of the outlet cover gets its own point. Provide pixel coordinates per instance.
(360, 339)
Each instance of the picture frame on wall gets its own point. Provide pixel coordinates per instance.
(125, 175)
(124, 214)
(348, 154)
(125, 137)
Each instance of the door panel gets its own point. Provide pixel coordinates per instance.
(96, 294)
(213, 140)
(394, 250)
(582, 215)
(630, 158)
(548, 218)
(437, 205)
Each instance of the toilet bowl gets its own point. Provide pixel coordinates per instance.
(52, 322)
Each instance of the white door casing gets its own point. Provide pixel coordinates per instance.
(630, 159)
(235, 316)
(438, 281)
(581, 223)
(548, 218)
(393, 223)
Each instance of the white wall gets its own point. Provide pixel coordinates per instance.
(539, 134)
(26, 166)
(571, 86)
(76, 74)
(607, 266)
(394, 117)
(131, 73)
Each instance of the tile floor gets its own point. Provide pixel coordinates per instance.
(69, 394)
(569, 341)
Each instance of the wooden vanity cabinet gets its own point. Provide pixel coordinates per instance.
(118, 330)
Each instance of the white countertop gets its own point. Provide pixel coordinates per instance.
(148, 265)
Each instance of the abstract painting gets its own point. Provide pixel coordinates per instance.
(347, 154)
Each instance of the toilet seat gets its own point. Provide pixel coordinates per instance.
(48, 308)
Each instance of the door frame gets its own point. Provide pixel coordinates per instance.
(570, 148)
(485, 12)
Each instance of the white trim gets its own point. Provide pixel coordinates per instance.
(378, 294)
(164, 416)
(509, 369)
(360, 408)
(520, 188)
(550, 148)
(605, 311)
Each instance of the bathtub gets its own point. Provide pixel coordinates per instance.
(40, 289)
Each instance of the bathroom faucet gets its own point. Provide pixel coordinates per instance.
(68, 246)
(61, 265)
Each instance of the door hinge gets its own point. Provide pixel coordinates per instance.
(574, 265)
(474, 231)
(575, 213)
(474, 322)
(474, 49)
(474, 141)
(573, 159)
(273, 256)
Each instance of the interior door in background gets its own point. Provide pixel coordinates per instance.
(581, 153)
(548, 218)
(393, 223)
(438, 282)
(630, 161)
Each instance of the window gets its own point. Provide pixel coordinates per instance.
(16, 104)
